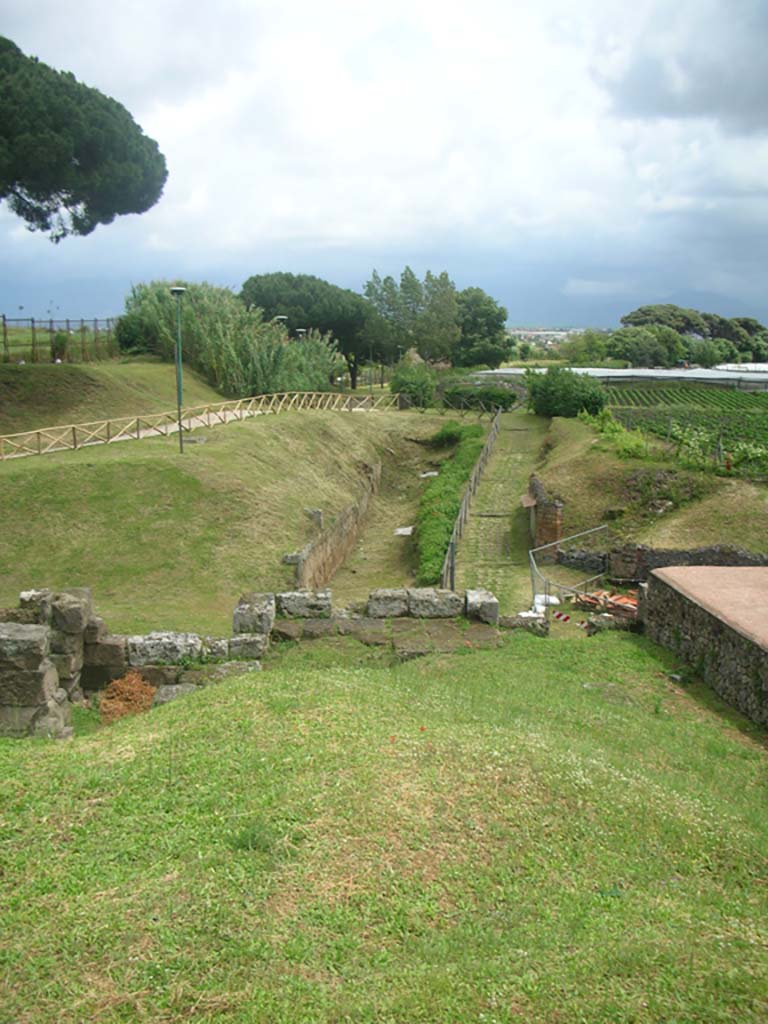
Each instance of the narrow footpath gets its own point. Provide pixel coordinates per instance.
(493, 553)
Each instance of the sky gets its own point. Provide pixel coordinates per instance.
(574, 160)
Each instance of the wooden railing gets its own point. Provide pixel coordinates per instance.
(161, 424)
(448, 575)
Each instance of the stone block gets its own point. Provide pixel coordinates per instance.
(17, 721)
(247, 646)
(96, 677)
(287, 629)
(70, 612)
(431, 603)
(315, 629)
(167, 692)
(23, 646)
(482, 605)
(255, 613)
(67, 665)
(55, 720)
(96, 630)
(27, 687)
(112, 650)
(216, 646)
(160, 675)
(163, 647)
(38, 601)
(24, 616)
(372, 632)
(387, 604)
(67, 643)
(305, 604)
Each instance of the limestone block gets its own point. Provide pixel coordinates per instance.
(67, 665)
(96, 630)
(39, 601)
(246, 646)
(210, 674)
(55, 720)
(287, 629)
(67, 643)
(160, 675)
(27, 687)
(23, 646)
(387, 604)
(482, 605)
(112, 650)
(431, 603)
(166, 693)
(315, 629)
(163, 647)
(71, 612)
(255, 613)
(16, 721)
(305, 604)
(216, 646)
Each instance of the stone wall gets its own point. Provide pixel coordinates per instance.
(735, 666)
(546, 519)
(637, 562)
(317, 562)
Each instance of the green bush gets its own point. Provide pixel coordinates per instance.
(59, 346)
(441, 500)
(561, 392)
(487, 397)
(416, 382)
(231, 346)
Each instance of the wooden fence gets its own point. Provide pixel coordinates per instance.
(162, 424)
(448, 575)
(32, 340)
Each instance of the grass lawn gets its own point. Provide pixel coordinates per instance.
(549, 832)
(170, 541)
(47, 395)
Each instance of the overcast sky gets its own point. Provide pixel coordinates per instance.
(574, 160)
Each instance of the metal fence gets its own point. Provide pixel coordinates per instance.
(448, 574)
(30, 340)
(162, 424)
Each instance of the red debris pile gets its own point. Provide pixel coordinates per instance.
(129, 695)
(624, 605)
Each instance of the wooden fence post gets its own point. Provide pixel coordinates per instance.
(34, 341)
(6, 349)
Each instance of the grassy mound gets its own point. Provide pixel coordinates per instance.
(648, 498)
(548, 832)
(46, 395)
(170, 541)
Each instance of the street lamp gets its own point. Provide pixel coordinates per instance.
(177, 291)
(301, 331)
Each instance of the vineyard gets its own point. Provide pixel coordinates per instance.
(688, 396)
(708, 426)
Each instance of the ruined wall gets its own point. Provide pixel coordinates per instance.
(546, 519)
(637, 562)
(319, 560)
(733, 665)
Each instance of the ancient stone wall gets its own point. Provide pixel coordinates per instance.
(546, 519)
(637, 562)
(318, 561)
(735, 666)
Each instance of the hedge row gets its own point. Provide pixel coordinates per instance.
(441, 500)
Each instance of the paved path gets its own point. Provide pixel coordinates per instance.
(493, 552)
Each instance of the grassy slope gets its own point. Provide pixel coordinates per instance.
(550, 832)
(167, 541)
(46, 395)
(585, 470)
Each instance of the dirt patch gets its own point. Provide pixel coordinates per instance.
(129, 695)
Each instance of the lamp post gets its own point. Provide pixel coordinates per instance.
(177, 293)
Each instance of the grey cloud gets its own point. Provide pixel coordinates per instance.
(709, 63)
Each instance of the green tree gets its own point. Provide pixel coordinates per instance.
(585, 349)
(482, 323)
(561, 392)
(415, 314)
(681, 320)
(311, 302)
(436, 329)
(71, 158)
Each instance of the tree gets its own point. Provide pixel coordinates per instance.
(683, 321)
(482, 321)
(415, 314)
(71, 158)
(561, 392)
(585, 349)
(311, 302)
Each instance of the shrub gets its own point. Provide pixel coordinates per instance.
(414, 381)
(561, 392)
(485, 397)
(59, 346)
(441, 500)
